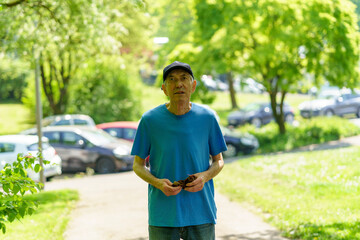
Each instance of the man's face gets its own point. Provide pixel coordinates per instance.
(179, 85)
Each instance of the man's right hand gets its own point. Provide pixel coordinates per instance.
(166, 187)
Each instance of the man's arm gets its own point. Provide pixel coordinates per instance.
(202, 177)
(163, 184)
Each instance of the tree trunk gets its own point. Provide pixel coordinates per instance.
(278, 112)
(231, 90)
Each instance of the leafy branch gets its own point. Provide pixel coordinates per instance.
(15, 184)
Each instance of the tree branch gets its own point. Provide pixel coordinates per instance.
(12, 4)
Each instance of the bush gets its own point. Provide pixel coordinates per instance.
(13, 73)
(106, 91)
(15, 184)
(310, 131)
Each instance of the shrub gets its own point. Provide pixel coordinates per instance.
(15, 183)
(106, 91)
(310, 131)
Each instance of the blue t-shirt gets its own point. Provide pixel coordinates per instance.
(179, 145)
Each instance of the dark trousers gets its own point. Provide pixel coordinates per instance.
(197, 232)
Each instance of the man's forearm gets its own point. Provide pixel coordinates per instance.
(140, 170)
(215, 168)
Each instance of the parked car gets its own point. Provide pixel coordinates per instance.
(68, 119)
(248, 85)
(258, 114)
(214, 84)
(12, 145)
(81, 147)
(342, 105)
(123, 129)
(65, 120)
(238, 142)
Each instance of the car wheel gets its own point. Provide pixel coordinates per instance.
(256, 122)
(105, 165)
(289, 118)
(329, 113)
(231, 151)
(358, 113)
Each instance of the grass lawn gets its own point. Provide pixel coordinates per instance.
(307, 195)
(49, 220)
(14, 117)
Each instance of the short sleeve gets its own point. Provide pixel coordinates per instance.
(141, 145)
(216, 139)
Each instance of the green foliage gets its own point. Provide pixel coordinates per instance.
(307, 195)
(13, 73)
(310, 131)
(279, 43)
(64, 35)
(177, 22)
(107, 91)
(15, 183)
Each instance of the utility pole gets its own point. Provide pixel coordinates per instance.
(39, 116)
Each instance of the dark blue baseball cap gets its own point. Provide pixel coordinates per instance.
(177, 65)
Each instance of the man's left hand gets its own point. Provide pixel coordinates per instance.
(197, 185)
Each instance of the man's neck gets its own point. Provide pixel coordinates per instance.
(179, 108)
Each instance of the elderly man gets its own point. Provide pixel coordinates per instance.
(179, 136)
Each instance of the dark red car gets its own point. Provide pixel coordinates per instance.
(123, 129)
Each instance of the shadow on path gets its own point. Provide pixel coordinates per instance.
(260, 235)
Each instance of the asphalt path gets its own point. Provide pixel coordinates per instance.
(114, 206)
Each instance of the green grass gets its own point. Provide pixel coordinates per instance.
(307, 195)
(50, 219)
(14, 118)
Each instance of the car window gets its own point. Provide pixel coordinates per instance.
(129, 133)
(98, 137)
(62, 122)
(54, 137)
(35, 146)
(251, 107)
(80, 122)
(115, 132)
(70, 138)
(7, 147)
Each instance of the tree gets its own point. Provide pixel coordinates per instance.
(65, 34)
(277, 42)
(176, 21)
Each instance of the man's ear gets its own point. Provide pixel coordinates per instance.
(193, 86)
(164, 89)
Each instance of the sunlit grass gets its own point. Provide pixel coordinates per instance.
(308, 195)
(14, 117)
(50, 219)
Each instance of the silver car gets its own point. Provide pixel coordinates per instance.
(12, 145)
(81, 147)
(345, 104)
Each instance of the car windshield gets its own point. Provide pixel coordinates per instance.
(47, 121)
(251, 107)
(225, 131)
(98, 137)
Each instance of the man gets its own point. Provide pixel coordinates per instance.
(179, 136)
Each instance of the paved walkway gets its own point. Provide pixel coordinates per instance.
(114, 207)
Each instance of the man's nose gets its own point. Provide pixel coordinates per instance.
(178, 83)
